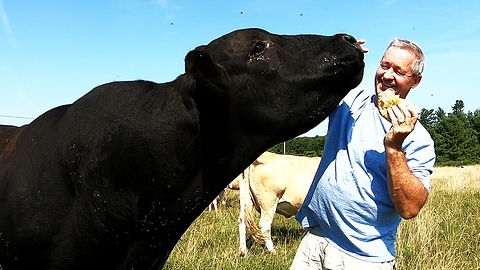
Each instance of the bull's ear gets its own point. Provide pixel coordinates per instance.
(206, 73)
(198, 60)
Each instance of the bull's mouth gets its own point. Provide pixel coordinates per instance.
(339, 65)
(348, 62)
(345, 70)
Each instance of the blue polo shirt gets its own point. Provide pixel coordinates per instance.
(349, 200)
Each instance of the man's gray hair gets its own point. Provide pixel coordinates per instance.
(419, 62)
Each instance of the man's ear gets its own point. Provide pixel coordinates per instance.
(416, 80)
(207, 74)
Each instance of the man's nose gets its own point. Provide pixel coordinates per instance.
(389, 73)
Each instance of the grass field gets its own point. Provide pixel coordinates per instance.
(446, 234)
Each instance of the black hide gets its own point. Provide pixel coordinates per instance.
(113, 180)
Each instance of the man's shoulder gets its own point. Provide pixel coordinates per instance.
(355, 102)
(420, 132)
(357, 95)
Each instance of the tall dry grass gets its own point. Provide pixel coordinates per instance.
(445, 235)
(456, 179)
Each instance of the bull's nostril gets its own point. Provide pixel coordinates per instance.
(349, 39)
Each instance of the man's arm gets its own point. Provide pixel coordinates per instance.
(406, 190)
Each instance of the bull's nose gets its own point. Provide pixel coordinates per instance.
(350, 39)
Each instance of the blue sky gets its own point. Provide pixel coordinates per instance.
(54, 51)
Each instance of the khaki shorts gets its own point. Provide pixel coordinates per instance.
(314, 252)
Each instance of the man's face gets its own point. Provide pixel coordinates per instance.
(395, 72)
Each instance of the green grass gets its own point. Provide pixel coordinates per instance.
(212, 242)
(445, 235)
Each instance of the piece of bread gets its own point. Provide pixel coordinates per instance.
(386, 100)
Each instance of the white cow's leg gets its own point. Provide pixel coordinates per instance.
(213, 205)
(244, 199)
(265, 224)
(221, 196)
(242, 231)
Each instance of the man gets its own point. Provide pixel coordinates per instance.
(373, 173)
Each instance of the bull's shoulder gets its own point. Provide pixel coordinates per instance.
(8, 139)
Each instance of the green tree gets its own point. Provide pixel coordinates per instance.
(456, 142)
(428, 119)
(301, 146)
(440, 114)
(457, 109)
(474, 119)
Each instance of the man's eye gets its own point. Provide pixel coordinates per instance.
(400, 73)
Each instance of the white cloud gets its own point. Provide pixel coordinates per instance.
(6, 24)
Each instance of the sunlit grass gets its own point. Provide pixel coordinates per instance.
(212, 242)
(445, 235)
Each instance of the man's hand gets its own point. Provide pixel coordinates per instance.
(361, 42)
(404, 116)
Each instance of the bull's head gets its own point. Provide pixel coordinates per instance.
(280, 83)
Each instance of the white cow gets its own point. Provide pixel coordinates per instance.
(272, 184)
(220, 198)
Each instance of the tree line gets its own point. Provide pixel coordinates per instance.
(456, 135)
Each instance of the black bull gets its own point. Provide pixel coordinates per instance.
(113, 180)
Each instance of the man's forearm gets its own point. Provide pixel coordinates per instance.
(406, 190)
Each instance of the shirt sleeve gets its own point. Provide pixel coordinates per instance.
(420, 154)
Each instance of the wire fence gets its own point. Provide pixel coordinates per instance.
(18, 117)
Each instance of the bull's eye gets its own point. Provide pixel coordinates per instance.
(260, 47)
(258, 50)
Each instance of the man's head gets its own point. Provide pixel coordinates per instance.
(401, 68)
